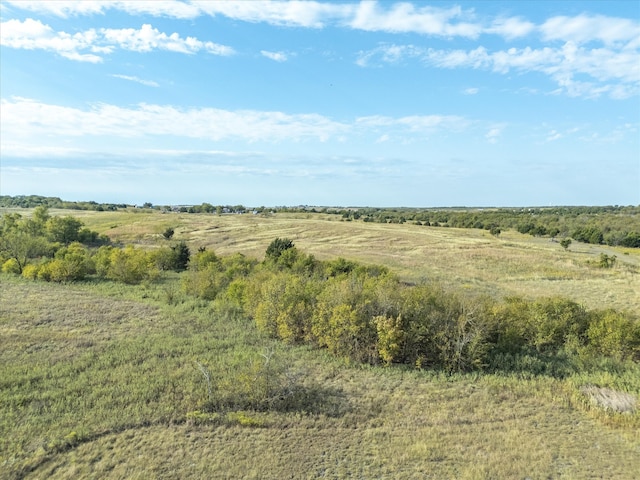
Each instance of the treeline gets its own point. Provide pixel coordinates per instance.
(611, 225)
(32, 201)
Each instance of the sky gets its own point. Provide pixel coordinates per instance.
(283, 103)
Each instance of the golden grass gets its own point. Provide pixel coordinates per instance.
(473, 260)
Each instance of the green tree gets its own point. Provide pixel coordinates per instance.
(64, 229)
(278, 247)
(168, 233)
(21, 247)
(565, 242)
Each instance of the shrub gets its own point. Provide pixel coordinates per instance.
(277, 247)
(11, 266)
(130, 265)
(613, 334)
(31, 271)
(606, 261)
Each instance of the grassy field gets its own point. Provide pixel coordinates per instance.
(513, 264)
(102, 380)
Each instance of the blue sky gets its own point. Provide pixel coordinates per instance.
(485, 103)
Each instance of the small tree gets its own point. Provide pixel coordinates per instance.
(168, 233)
(565, 242)
(182, 255)
(277, 247)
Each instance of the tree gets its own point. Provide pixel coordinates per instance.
(21, 247)
(565, 242)
(168, 233)
(277, 247)
(182, 254)
(64, 229)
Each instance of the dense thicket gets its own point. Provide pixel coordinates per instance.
(366, 314)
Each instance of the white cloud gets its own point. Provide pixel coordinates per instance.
(511, 28)
(29, 122)
(612, 72)
(148, 83)
(148, 38)
(309, 14)
(33, 34)
(397, 17)
(470, 91)
(586, 28)
(405, 17)
(24, 118)
(414, 123)
(554, 135)
(276, 56)
(494, 133)
(70, 8)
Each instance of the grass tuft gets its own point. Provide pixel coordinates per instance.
(611, 400)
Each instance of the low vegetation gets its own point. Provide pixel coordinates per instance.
(201, 364)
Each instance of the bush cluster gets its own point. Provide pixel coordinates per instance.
(366, 314)
(59, 249)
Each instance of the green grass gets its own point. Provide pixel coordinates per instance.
(102, 380)
(99, 380)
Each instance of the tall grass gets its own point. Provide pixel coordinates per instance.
(101, 380)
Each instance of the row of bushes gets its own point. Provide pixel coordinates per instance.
(127, 265)
(367, 315)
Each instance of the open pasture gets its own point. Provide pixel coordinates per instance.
(469, 259)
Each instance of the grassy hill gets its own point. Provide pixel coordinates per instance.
(512, 264)
(103, 380)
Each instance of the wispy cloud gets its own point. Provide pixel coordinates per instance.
(415, 123)
(148, 83)
(590, 28)
(275, 56)
(33, 34)
(25, 121)
(397, 17)
(470, 91)
(611, 71)
(405, 17)
(494, 133)
(28, 118)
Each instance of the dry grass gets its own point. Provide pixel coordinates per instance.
(473, 260)
(611, 400)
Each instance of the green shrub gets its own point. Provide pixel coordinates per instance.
(11, 266)
(613, 334)
(277, 247)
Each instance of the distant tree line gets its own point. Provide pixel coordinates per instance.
(32, 201)
(610, 225)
